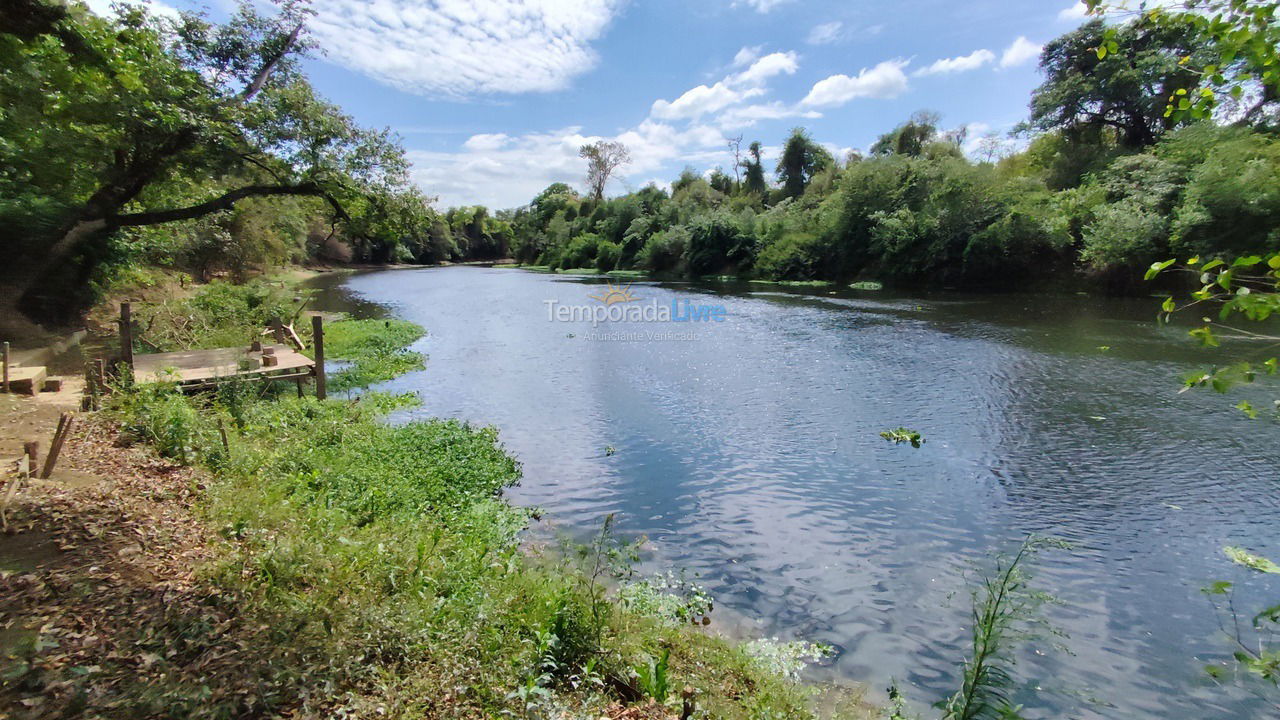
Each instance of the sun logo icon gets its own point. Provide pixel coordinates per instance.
(615, 294)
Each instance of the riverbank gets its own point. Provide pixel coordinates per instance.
(320, 561)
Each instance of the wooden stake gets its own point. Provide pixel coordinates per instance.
(100, 383)
(222, 432)
(126, 334)
(317, 340)
(32, 450)
(60, 437)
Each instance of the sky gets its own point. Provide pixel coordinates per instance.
(493, 98)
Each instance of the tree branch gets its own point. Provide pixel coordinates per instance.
(264, 72)
(224, 202)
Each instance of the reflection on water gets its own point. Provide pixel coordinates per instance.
(750, 454)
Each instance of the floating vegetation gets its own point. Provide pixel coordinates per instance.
(901, 435)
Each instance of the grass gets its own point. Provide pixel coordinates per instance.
(377, 350)
(387, 573)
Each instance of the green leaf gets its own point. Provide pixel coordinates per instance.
(1211, 265)
(1221, 587)
(1169, 305)
(1240, 556)
(1158, 267)
(1246, 261)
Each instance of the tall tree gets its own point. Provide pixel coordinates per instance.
(801, 159)
(735, 146)
(603, 158)
(1088, 86)
(753, 176)
(1243, 53)
(137, 120)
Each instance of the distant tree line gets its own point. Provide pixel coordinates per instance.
(1114, 177)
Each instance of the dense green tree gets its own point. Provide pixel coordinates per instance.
(138, 121)
(801, 159)
(1241, 40)
(1087, 87)
(753, 170)
(909, 138)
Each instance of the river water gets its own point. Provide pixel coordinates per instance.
(748, 451)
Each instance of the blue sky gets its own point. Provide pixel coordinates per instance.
(493, 97)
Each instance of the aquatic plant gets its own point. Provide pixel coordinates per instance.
(900, 435)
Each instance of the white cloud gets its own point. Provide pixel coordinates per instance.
(700, 101)
(825, 34)
(1019, 52)
(765, 68)
(885, 80)
(760, 6)
(486, 141)
(747, 55)
(963, 63)
(458, 48)
(732, 90)
(1075, 13)
(748, 115)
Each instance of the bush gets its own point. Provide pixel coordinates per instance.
(664, 251)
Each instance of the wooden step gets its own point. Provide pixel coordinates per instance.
(29, 380)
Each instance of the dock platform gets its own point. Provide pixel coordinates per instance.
(194, 369)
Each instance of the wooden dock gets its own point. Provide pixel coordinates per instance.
(193, 369)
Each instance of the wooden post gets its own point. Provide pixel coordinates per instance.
(277, 329)
(59, 437)
(317, 341)
(126, 334)
(6, 366)
(32, 450)
(100, 383)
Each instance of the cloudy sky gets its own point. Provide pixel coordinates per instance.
(493, 97)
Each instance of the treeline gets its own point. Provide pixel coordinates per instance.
(1113, 178)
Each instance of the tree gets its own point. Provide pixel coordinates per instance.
(720, 182)
(1086, 86)
(909, 138)
(137, 121)
(801, 159)
(1243, 39)
(753, 178)
(603, 158)
(735, 146)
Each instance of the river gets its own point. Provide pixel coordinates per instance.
(748, 451)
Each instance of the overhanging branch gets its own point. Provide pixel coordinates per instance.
(225, 202)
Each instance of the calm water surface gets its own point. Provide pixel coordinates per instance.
(750, 454)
